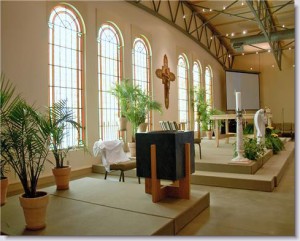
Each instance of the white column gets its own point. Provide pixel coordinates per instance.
(240, 159)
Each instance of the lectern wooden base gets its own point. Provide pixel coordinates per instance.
(178, 189)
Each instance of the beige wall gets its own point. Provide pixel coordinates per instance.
(24, 56)
(24, 59)
(277, 88)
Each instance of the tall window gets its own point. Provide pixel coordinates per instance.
(66, 78)
(182, 77)
(109, 73)
(196, 85)
(141, 69)
(208, 86)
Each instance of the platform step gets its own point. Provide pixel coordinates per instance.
(265, 179)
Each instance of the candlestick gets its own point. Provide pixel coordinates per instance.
(238, 101)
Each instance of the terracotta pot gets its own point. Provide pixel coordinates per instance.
(62, 177)
(132, 149)
(142, 127)
(209, 135)
(35, 210)
(4, 186)
(122, 123)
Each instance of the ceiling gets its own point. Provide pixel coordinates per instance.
(235, 20)
(226, 29)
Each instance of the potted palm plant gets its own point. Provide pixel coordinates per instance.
(137, 105)
(122, 92)
(203, 113)
(24, 146)
(58, 118)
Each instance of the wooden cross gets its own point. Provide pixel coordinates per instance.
(166, 76)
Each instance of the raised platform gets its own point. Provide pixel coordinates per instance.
(215, 169)
(101, 208)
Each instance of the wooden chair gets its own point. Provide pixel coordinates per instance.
(122, 166)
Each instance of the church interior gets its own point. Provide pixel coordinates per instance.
(216, 80)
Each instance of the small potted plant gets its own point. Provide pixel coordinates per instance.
(138, 104)
(58, 117)
(25, 146)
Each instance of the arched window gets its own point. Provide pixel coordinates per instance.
(141, 59)
(66, 77)
(196, 84)
(208, 86)
(109, 73)
(182, 77)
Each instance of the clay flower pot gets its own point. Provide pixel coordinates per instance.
(62, 177)
(132, 149)
(4, 186)
(35, 210)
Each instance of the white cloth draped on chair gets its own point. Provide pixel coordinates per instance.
(111, 152)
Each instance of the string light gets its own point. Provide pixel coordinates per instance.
(244, 32)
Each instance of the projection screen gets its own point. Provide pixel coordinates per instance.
(246, 83)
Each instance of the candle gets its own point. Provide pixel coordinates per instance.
(238, 101)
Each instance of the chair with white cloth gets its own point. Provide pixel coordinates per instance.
(113, 157)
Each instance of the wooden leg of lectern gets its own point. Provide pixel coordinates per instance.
(184, 183)
(156, 191)
(148, 185)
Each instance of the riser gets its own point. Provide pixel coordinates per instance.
(232, 168)
(259, 185)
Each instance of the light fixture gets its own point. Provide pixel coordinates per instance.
(227, 34)
(232, 34)
(229, 56)
(251, 68)
(203, 10)
(290, 48)
(183, 16)
(269, 50)
(283, 26)
(256, 52)
(243, 53)
(224, 7)
(272, 65)
(211, 37)
(245, 31)
(210, 10)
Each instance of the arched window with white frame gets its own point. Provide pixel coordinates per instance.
(66, 72)
(209, 86)
(109, 73)
(141, 68)
(197, 73)
(182, 77)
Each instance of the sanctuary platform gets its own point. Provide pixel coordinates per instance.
(94, 207)
(215, 168)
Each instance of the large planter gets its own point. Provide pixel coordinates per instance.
(209, 134)
(4, 186)
(35, 210)
(142, 127)
(122, 123)
(132, 149)
(62, 177)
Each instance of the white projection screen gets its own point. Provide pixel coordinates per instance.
(247, 84)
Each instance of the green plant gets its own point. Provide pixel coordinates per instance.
(252, 150)
(272, 141)
(3, 168)
(249, 129)
(198, 101)
(24, 144)
(57, 119)
(138, 103)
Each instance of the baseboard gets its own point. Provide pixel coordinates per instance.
(16, 187)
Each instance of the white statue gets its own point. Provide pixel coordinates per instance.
(260, 121)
